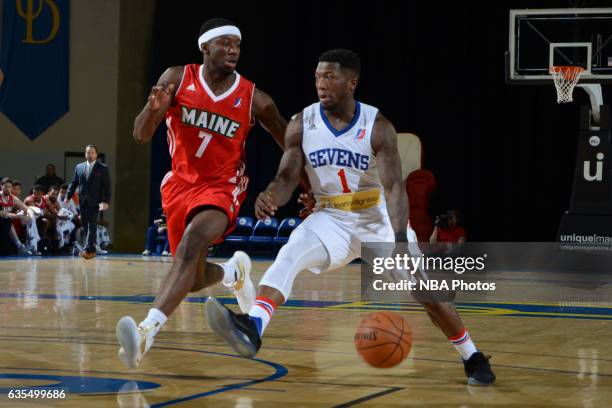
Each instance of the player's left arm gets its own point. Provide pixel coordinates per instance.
(384, 144)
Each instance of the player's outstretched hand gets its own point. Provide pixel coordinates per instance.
(160, 94)
(309, 202)
(264, 205)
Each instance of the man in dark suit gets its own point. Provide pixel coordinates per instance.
(92, 180)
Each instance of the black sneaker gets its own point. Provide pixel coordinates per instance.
(238, 330)
(478, 370)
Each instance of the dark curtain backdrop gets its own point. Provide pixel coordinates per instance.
(503, 155)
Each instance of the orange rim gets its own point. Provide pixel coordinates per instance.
(568, 71)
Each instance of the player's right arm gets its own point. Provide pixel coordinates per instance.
(384, 144)
(280, 189)
(159, 100)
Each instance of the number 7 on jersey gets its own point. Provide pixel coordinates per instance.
(206, 137)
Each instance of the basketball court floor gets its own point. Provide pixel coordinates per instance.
(58, 316)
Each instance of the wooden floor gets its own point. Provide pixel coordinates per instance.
(57, 320)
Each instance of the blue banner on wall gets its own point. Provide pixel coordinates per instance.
(35, 60)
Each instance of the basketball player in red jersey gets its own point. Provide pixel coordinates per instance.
(209, 110)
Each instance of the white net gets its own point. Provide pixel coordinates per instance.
(565, 78)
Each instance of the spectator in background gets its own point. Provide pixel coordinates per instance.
(92, 179)
(37, 198)
(71, 207)
(39, 202)
(49, 179)
(52, 214)
(9, 206)
(53, 206)
(63, 218)
(447, 230)
(16, 191)
(19, 225)
(157, 231)
(25, 224)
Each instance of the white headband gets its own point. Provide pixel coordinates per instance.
(218, 32)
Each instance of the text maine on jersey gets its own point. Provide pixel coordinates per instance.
(209, 121)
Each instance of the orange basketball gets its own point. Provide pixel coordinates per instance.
(383, 339)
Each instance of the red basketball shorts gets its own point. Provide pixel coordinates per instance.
(180, 201)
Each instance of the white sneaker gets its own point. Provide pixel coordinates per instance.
(100, 251)
(243, 287)
(23, 251)
(146, 252)
(134, 340)
(166, 253)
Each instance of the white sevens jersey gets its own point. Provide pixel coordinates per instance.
(344, 176)
(340, 161)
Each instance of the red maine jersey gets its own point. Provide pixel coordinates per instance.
(207, 133)
(42, 204)
(8, 205)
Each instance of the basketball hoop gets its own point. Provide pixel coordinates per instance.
(565, 77)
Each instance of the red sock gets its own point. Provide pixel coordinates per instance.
(463, 344)
(262, 312)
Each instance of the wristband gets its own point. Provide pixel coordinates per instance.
(401, 237)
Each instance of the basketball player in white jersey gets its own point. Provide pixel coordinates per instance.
(349, 150)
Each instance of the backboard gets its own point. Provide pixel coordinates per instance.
(541, 38)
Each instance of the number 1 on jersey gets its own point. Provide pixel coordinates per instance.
(205, 140)
(345, 187)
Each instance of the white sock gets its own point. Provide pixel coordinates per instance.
(463, 344)
(154, 321)
(261, 313)
(229, 273)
